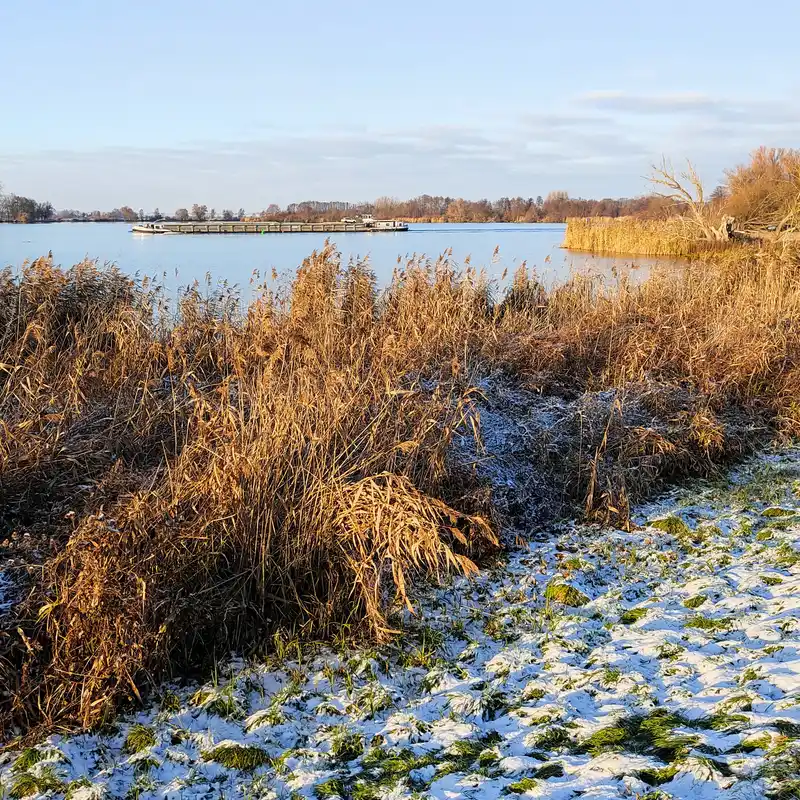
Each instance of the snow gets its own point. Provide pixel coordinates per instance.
(491, 682)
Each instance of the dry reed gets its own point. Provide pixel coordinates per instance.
(631, 236)
(205, 480)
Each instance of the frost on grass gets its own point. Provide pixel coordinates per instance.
(661, 663)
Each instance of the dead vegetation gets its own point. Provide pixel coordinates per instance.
(757, 201)
(193, 483)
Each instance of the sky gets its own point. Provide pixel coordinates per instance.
(153, 104)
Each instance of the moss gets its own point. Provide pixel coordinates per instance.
(672, 525)
(521, 786)
(765, 535)
(139, 738)
(236, 756)
(565, 594)
(632, 615)
(551, 770)
(696, 601)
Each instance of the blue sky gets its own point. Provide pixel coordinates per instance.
(252, 102)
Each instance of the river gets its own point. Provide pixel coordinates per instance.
(179, 260)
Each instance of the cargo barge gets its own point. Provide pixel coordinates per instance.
(364, 224)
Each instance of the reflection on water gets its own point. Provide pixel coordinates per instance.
(179, 260)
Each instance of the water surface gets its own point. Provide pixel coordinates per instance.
(179, 260)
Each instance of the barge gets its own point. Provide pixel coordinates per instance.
(364, 224)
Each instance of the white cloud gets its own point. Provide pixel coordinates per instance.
(598, 143)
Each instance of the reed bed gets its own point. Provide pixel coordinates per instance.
(198, 481)
(631, 236)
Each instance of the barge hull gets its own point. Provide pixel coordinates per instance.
(267, 227)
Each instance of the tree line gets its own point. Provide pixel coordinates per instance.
(555, 207)
(15, 208)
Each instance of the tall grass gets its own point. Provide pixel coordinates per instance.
(204, 479)
(633, 236)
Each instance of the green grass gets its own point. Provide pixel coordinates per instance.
(778, 512)
(632, 615)
(346, 746)
(139, 738)
(240, 757)
(750, 674)
(708, 624)
(565, 594)
(791, 730)
(759, 742)
(551, 770)
(31, 756)
(668, 650)
(652, 735)
(333, 787)
(786, 556)
(672, 525)
(656, 776)
(75, 786)
(25, 784)
(553, 738)
(170, 703)
(611, 675)
(521, 786)
(696, 601)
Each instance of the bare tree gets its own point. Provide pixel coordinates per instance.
(200, 213)
(182, 215)
(687, 193)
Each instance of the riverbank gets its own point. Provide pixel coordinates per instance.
(660, 663)
(194, 486)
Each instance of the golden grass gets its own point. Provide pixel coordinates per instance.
(631, 236)
(204, 480)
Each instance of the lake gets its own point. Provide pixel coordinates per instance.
(179, 259)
